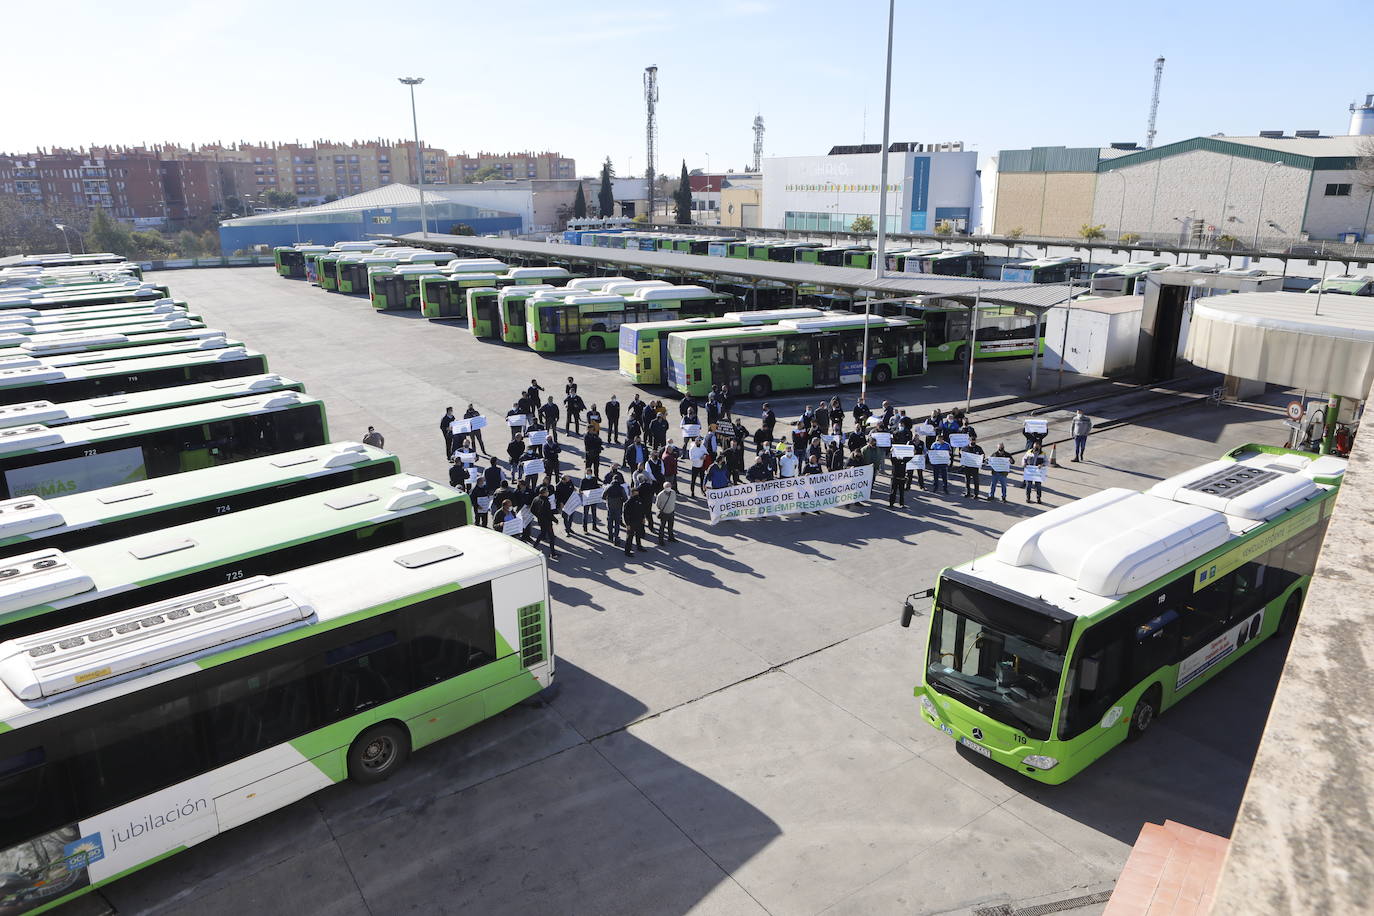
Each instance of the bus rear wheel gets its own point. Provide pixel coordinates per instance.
(378, 753)
(595, 345)
(1145, 712)
(760, 387)
(882, 375)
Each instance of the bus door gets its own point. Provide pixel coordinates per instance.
(909, 352)
(486, 311)
(725, 366)
(569, 333)
(516, 311)
(825, 361)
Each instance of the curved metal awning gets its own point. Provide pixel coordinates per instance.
(1287, 339)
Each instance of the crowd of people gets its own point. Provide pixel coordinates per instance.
(638, 489)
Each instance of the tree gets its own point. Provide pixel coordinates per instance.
(330, 198)
(580, 203)
(108, 234)
(1015, 233)
(944, 227)
(1129, 238)
(1365, 166)
(282, 200)
(461, 229)
(1092, 232)
(1229, 242)
(605, 197)
(485, 173)
(682, 198)
(642, 218)
(861, 224)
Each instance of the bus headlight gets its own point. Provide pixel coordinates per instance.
(928, 707)
(1040, 762)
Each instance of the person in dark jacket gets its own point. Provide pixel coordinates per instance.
(615, 496)
(591, 450)
(575, 405)
(589, 513)
(544, 511)
(973, 477)
(481, 502)
(758, 471)
(445, 422)
(613, 421)
(551, 452)
(548, 416)
(734, 460)
(769, 421)
(561, 493)
(514, 450)
(476, 433)
(634, 524)
(861, 413)
(635, 455)
(658, 432)
(899, 480)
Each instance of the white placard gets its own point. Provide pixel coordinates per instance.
(468, 424)
(512, 527)
(526, 516)
(691, 430)
(915, 464)
(882, 440)
(1001, 465)
(593, 497)
(538, 436)
(477, 422)
(903, 451)
(573, 503)
(466, 457)
(938, 456)
(532, 468)
(925, 429)
(483, 503)
(828, 439)
(518, 419)
(1033, 473)
(1037, 426)
(970, 460)
(958, 440)
(874, 420)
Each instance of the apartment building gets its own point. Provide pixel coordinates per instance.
(526, 165)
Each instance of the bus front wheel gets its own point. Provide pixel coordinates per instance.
(1288, 622)
(378, 753)
(1145, 712)
(760, 387)
(595, 345)
(961, 355)
(882, 375)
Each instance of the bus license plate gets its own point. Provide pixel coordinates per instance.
(977, 748)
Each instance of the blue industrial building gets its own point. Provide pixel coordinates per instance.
(393, 210)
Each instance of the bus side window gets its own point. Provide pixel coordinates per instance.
(1248, 593)
(363, 674)
(1206, 612)
(34, 796)
(1157, 628)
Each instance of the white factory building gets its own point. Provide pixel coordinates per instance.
(928, 184)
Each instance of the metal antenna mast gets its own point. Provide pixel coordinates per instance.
(1154, 104)
(758, 143)
(650, 132)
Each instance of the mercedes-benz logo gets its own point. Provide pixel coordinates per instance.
(978, 734)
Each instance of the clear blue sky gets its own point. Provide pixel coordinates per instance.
(567, 76)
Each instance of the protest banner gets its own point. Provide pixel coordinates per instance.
(513, 527)
(1033, 473)
(882, 440)
(938, 456)
(538, 436)
(1000, 465)
(483, 503)
(465, 457)
(903, 451)
(874, 420)
(593, 497)
(517, 419)
(691, 430)
(574, 502)
(532, 468)
(958, 440)
(1037, 426)
(790, 495)
(970, 460)
(726, 430)
(925, 429)
(475, 423)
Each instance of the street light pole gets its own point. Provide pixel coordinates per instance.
(1259, 213)
(412, 82)
(880, 256)
(65, 241)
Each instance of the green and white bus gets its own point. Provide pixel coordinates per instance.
(510, 304)
(17, 357)
(446, 295)
(644, 345)
(327, 264)
(909, 260)
(795, 354)
(116, 342)
(154, 308)
(833, 255)
(290, 259)
(1091, 619)
(106, 453)
(53, 588)
(1346, 285)
(122, 377)
(57, 299)
(67, 522)
(202, 713)
(1124, 279)
(1043, 270)
(91, 410)
(953, 264)
(111, 327)
(592, 323)
(483, 301)
(398, 288)
(1003, 331)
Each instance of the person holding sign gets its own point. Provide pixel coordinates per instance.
(1035, 432)
(1033, 472)
(561, 496)
(971, 457)
(515, 449)
(696, 456)
(590, 490)
(543, 510)
(475, 428)
(939, 455)
(1000, 464)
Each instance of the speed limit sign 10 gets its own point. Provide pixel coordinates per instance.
(1294, 410)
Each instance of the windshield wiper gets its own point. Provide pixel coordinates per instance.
(962, 690)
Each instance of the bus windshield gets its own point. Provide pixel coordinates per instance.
(1003, 659)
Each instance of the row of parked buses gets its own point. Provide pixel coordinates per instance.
(209, 610)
